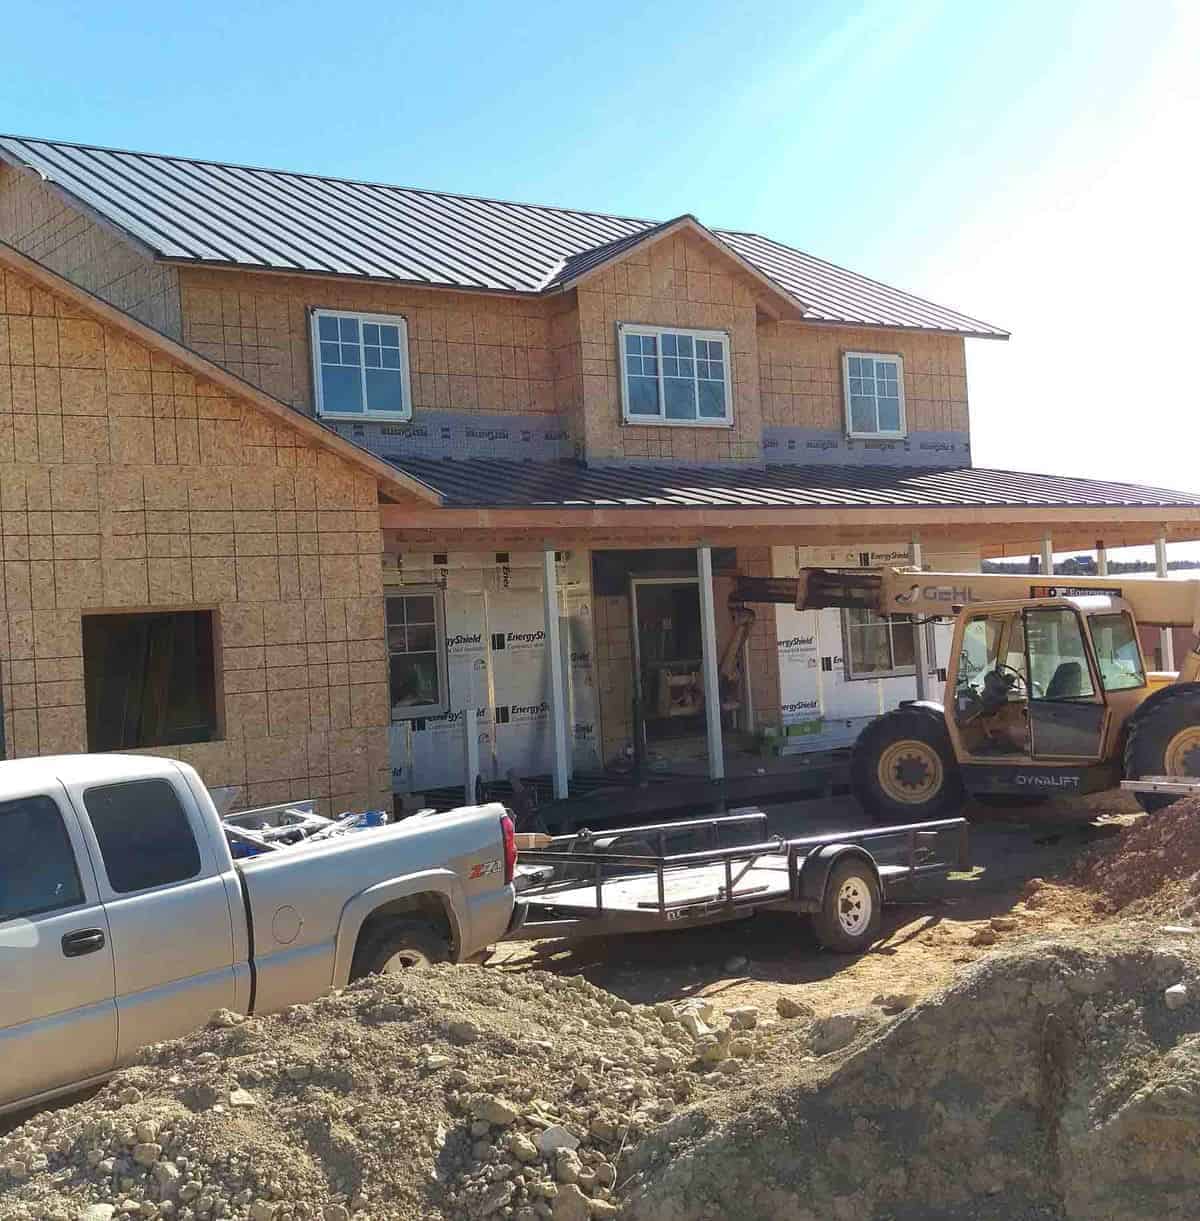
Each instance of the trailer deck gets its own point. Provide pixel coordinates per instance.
(587, 885)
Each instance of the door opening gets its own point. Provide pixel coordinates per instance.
(668, 657)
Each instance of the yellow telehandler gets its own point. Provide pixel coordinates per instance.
(1047, 691)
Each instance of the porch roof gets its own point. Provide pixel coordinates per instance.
(480, 483)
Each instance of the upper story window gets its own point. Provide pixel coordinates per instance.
(874, 388)
(675, 376)
(360, 364)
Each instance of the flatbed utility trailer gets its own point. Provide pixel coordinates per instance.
(585, 885)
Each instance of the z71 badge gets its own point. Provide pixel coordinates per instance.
(483, 869)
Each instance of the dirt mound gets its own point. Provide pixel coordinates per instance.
(1156, 858)
(1052, 1082)
(443, 1093)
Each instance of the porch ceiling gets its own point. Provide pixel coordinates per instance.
(1005, 512)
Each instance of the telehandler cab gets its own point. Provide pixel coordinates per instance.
(1046, 692)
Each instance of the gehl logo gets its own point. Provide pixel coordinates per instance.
(958, 595)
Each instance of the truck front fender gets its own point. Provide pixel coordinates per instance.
(440, 883)
(819, 863)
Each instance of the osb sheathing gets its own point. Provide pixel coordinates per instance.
(39, 222)
(128, 483)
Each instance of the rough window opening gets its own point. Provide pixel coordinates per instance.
(149, 679)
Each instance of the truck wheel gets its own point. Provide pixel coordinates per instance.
(902, 768)
(398, 945)
(1165, 741)
(851, 908)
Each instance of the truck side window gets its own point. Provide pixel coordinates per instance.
(144, 835)
(37, 864)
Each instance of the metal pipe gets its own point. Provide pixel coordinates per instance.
(710, 664)
(920, 652)
(1166, 636)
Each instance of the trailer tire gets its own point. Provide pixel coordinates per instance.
(851, 912)
(1164, 740)
(903, 769)
(397, 945)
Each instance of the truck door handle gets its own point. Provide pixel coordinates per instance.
(85, 941)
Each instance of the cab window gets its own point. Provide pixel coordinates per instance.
(1117, 652)
(144, 836)
(1058, 666)
(37, 865)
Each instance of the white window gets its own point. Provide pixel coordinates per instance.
(674, 376)
(874, 388)
(416, 653)
(881, 646)
(360, 365)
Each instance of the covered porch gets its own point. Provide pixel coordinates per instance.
(637, 548)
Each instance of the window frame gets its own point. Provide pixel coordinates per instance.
(899, 435)
(661, 420)
(897, 672)
(315, 314)
(415, 712)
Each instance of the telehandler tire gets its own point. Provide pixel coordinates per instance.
(902, 768)
(1164, 740)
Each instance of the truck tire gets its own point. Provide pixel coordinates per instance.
(902, 768)
(398, 945)
(1164, 740)
(851, 908)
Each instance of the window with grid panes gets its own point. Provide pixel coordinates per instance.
(674, 376)
(874, 389)
(361, 364)
(416, 654)
(881, 646)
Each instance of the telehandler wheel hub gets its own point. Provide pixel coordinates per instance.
(1182, 756)
(910, 772)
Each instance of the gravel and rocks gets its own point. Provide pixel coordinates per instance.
(454, 1093)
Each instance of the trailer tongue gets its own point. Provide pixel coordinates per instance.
(626, 881)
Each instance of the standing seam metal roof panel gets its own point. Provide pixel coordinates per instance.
(498, 483)
(208, 212)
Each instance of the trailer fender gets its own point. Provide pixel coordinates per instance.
(819, 863)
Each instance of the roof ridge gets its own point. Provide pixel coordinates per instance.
(360, 182)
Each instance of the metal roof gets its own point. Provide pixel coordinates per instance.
(484, 483)
(207, 212)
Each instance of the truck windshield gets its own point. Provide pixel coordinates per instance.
(1117, 652)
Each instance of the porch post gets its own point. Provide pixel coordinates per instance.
(471, 750)
(920, 654)
(1101, 559)
(558, 693)
(1166, 636)
(712, 678)
(1047, 556)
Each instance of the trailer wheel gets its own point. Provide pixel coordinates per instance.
(397, 945)
(851, 908)
(1165, 741)
(902, 768)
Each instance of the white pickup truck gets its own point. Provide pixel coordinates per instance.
(124, 919)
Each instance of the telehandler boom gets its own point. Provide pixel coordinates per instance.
(1046, 693)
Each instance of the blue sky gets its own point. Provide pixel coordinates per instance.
(1030, 162)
